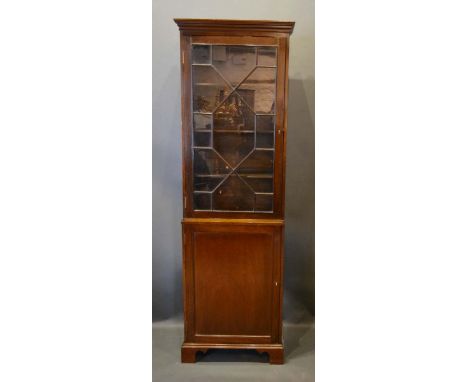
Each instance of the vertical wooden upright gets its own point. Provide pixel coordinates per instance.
(234, 76)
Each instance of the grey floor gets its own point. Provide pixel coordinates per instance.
(233, 365)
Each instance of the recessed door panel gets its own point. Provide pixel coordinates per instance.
(233, 277)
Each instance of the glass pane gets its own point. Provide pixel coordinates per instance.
(259, 182)
(233, 146)
(257, 170)
(265, 123)
(202, 121)
(258, 162)
(263, 203)
(267, 56)
(206, 182)
(202, 139)
(234, 114)
(234, 128)
(233, 97)
(201, 54)
(202, 201)
(248, 95)
(233, 195)
(208, 169)
(209, 89)
(265, 140)
(262, 83)
(234, 62)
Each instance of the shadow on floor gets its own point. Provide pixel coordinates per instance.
(232, 365)
(299, 340)
(225, 355)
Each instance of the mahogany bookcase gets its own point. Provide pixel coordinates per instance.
(234, 76)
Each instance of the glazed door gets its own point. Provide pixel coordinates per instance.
(234, 156)
(233, 281)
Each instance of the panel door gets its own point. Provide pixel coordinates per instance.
(232, 283)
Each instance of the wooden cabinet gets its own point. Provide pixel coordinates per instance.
(234, 116)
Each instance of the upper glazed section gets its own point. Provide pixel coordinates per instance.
(216, 25)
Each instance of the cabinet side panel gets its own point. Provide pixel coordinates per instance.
(281, 125)
(187, 277)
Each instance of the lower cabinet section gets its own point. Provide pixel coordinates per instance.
(233, 286)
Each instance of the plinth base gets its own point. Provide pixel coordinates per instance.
(275, 351)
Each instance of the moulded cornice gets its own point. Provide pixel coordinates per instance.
(217, 25)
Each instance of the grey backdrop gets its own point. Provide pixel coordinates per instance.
(167, 179)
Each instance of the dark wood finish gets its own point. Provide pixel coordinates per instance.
(251, 222)
(233, 277)
(242, 27)
(189, 351)
(280, 128)
(189, 354)
(235, 40)
(241, 271)
(233, 261)
(226, 263)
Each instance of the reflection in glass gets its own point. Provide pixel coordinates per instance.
(267, 56)
(234, 62)
(201, 54)
(201, 121)
(263, 83)
(208, 86)
(234, 114)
